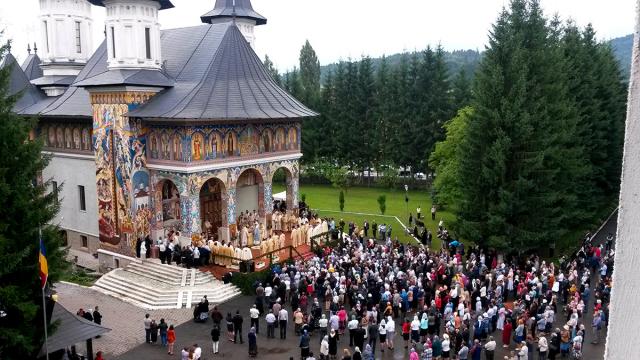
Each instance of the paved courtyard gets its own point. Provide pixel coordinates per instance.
(124, 319)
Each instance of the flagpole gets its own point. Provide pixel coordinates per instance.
(44, 315)
(44, 303)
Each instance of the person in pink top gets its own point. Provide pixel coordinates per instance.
(342, 320)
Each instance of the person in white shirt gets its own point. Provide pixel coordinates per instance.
(254, 315)
(283, 317)
(323, 323)
(382, 332)
(268, 290)
(391, 331)
(196, 256)
(543, 347)
(197, 352)
(352, 326)
(446, 346)
(271, 324)
(490, 348)
(523, 352)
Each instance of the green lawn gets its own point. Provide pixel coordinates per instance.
(363, 200)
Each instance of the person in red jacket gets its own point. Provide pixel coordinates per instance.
(171, 339)
(506, 334)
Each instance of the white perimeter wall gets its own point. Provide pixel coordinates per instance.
(247, 197)
(623, 341)
(70, 172)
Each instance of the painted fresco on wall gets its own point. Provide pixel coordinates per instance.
(127, 211)
(267, 141)
(154, 147)
(211, 142)
(176, 147)
(230, 144)
(214, 145)
(68, 139)
(280, 140)
(197, 147)
(86, 139)
(52, 136)
(292, 139)
(102, 128)
(249, 141)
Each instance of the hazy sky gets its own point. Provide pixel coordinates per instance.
(339, 29)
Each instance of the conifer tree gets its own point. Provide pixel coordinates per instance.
(520, 157)
(271, 69)
(461, 89)
(309, 75)
(27, 206)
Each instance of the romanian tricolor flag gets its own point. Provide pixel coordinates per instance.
(44, 268)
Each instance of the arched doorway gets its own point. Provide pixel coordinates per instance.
(213, 208)
(171, 209)
(250, 196)
(282, 184)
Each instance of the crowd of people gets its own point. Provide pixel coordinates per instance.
(372, 294)
(369, 297)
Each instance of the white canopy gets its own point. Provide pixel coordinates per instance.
(282, 196)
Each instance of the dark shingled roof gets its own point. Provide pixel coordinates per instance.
(71, 329)
(127, 77)
(214, 72)
(54, 80)
(164, 4)
(75, 101)
(18, 82)
(225, 8)
(222, 80)
(31, 67)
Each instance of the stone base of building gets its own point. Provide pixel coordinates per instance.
(81, 241)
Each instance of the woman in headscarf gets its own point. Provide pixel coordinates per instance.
(357, 354)
(324, 348)
(382, 331)
(413, 355)
(253, 342)
(424, 327)
(368, 353)
(436, 345)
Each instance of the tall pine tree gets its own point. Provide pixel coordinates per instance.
(521, 159)
(26, 208)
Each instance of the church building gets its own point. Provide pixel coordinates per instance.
(157, 129)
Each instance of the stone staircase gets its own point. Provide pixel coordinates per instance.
(151, 285)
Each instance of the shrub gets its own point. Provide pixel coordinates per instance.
(382, 202)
